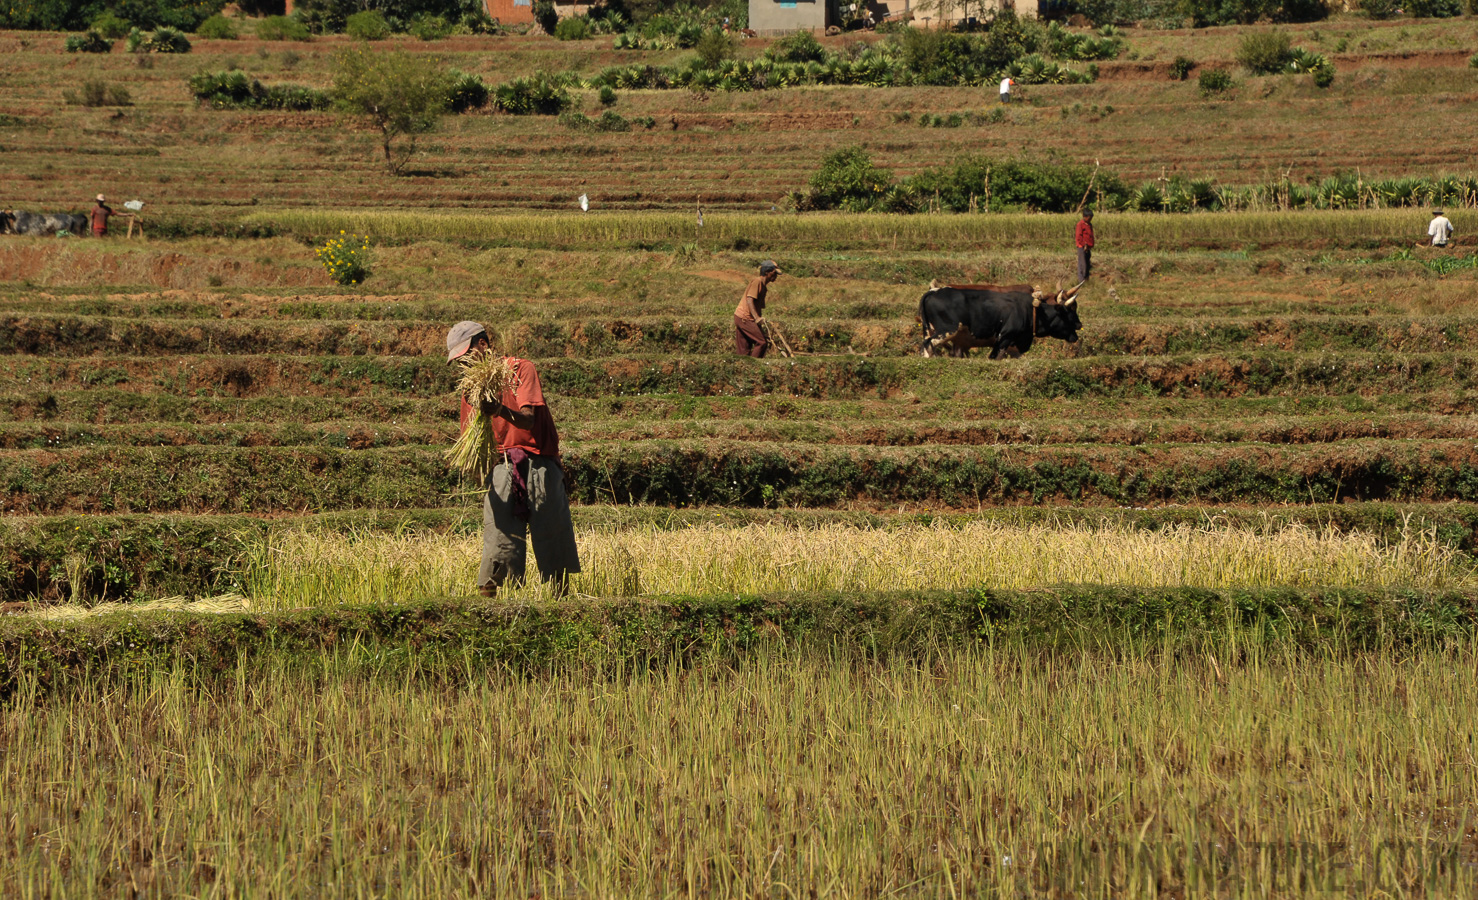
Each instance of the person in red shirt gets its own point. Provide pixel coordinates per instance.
(526, 500)
(1083, 237)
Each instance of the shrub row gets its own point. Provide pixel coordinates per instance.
(449, 639)
(273, 480)
(127, 557)
(848, 179)
(234, 90)
(913, 56)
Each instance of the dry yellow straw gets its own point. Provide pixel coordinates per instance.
(485, 377)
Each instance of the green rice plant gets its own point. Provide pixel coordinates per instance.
(346, 258)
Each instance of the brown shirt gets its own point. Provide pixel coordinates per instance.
(752, 304)
(100, 214)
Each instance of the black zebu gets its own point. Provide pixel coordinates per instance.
(17, 222)
(1006, 318)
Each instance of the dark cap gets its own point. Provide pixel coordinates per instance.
(460, 338)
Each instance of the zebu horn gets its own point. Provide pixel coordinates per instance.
(1072, 295)
(933, 284)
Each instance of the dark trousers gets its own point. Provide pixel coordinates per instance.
(1085, 263)
(749, 340)
(506, 537)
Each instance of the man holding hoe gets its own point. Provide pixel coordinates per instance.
(526, 500)
(749, 315)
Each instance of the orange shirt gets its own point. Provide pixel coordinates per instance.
(543, 438)
(752, 304)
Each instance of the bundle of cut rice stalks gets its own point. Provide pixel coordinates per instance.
(484, 377)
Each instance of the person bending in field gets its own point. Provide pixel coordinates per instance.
(749, 315)
(526, 500)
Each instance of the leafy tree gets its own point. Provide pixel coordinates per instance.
(849, 180)
(715, 47)
(546, 16)
(400, 94)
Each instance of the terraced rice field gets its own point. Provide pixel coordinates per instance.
(1402, 104)
(1184, 609)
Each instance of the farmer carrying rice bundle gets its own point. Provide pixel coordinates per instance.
(509, 442)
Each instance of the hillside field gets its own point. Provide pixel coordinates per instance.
(1185, 609)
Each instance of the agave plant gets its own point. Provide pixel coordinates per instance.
(1301, 60)
(1147, 199)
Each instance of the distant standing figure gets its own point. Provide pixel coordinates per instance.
(1440, 230)
(749, 315)
(100, 214)
(526, 502)
(1083, 237)
(1006, 85)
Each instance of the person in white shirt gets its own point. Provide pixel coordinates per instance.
(1440, 230)
(1006, 84)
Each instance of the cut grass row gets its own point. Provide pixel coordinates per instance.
(871, 740)
(274, 479)
(895, 333)
(438, 430)
(96, 558)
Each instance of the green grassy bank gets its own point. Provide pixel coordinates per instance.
(447, 637)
